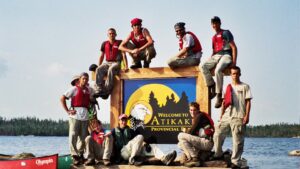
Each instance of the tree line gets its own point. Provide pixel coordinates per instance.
(48, 127)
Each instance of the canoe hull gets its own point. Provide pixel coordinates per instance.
(44, 162)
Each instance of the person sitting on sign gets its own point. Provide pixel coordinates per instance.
(189, 48)
(111, 67)
(130, 145)
(139, 44)
(198, 138)
(99, 145)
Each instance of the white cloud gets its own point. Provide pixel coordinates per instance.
(56, 69)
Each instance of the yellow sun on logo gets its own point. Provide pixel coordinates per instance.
(140, 98)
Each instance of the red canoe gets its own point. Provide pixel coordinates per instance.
(45, 162)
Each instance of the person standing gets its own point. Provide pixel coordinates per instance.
(224, 54)
(139, 44)
(198, 138)
(80, 95)
(190, 50)
(110, 68)
(235, 113)
(99, 145)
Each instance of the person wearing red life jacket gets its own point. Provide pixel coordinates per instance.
(80, 94)
(234, 117)
(190, 50)
(139, 44)
(113, 57)
(198, 138)
(99, 145)
(224, 54)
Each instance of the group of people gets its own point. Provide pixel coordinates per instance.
(125, 144)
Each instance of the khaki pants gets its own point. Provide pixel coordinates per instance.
(146, 54)
(99, 151)
(133, 148)
(155, 151)
(110, 69)
(238, 133)
(192, 145)
(220, 62)
(191, 60)
(78, 130)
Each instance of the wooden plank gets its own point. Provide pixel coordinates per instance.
(139, 167)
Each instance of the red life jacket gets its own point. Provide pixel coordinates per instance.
(140, 40)
(97, 136)
(111, 50)
(228, 97)
(82, 97)
(197, 46)
(209, 131)
(218, 42)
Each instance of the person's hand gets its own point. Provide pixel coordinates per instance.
(245, 120)
(126, 70)
(135, 51)
(71, 112)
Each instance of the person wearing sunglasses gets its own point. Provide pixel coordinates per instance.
(190, 50)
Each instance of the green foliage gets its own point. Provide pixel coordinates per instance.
(47, 127)
(35, 126)
(274, 130)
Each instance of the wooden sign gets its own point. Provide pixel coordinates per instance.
(156, 100)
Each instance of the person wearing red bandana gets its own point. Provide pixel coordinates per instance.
(139, 44)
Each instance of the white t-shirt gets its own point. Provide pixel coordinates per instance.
(240, 93)
(188, 41)
(81, 112)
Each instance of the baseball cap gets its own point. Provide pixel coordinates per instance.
(215, 19)
(122, 116)
(74, 79)
(136, 21)
(179, 25)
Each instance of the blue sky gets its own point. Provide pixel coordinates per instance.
(44, 43)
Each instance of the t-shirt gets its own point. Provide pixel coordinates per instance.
(81, 112)
(240, 93)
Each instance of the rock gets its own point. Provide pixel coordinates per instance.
(294, 153)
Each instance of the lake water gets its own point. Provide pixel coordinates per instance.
(264, 153)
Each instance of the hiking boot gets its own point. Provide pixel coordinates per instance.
(136, 65)
(212, 91)
(218, 101)
(90, 162)
(135, 161)
(76, 160)
(169, 158)
(106, 162)
(194, 162)
(146, 64)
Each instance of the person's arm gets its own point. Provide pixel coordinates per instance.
(195, 124)
(123, 44)
(234, 52)
(101, 58)
(64, 104)
(149, 39)
(248, 107)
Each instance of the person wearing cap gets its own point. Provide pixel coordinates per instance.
(190, 50)
(110, 68)
(139, 44)
(198, 139)
(98, 145)
(235, 115)
(127, 143)
(130, 145)
(80, 94)
(224, 54)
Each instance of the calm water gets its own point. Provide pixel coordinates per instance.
(264, 153)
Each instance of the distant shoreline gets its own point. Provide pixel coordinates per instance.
(32, 126)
